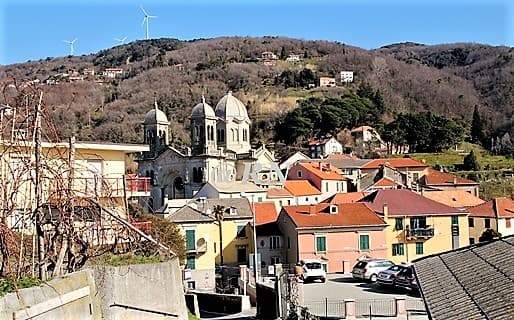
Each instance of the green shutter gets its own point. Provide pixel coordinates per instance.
(419, 247)
(321, 244)
(190, 240)
(364, 242)
(191, 263)
(455, 220)
(398, 224)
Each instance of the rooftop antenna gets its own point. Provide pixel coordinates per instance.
(71, 43)
(121, 41)
(146, 20)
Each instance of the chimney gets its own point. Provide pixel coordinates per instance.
(385, 211)
(454, 180)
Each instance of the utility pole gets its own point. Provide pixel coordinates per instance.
(39, 193)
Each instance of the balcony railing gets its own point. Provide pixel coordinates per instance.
(421, 233)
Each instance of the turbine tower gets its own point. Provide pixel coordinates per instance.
(146, 20)
(71, 43)
(121, 41)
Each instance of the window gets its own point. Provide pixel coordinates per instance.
(471, 222)
(455, 220)
(288, 243)
(191, 285)
(419, 247)
(398, 249)
(275, 260)
(364, 242)
(507, 223)
(241, 254)
(274, 242)
(487, 223)
(190, 240)
(299, 173)
(418, 223)
(398, 224)
(321, 244)
(191, 262)
(471, 240)
(241, 231)
(326, 186)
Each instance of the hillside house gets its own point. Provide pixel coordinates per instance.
(201, 230)
(439, 180)
(270, 242)
(321, 148)
(325, 177)
(496, 214)
(346, 76)
(293, 58)
(112, 73)
(303, 192)
(327, 82)
(268, 55)
(337, 235)
(418, 226)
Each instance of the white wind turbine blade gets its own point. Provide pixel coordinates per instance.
(123, 40)
(144, 20)
(73, 41)
(143, 9)
(152, 16)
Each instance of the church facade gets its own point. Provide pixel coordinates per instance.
(220, 152)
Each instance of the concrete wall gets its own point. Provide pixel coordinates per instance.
(156, 287)
(68, 297)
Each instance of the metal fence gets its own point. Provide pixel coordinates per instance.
(415, 305)
(375, 307)
(327, 308)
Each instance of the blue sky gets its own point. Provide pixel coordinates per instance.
(31, 30)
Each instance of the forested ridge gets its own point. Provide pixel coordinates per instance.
(391, 85)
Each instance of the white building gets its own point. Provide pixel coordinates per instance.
(327, 82)
(346, 76)
(293, 58)
(321, 148)
(112, 72)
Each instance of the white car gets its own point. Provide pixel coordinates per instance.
(368, 270)
(313, 270)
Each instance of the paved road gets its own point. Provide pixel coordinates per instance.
(340, 287)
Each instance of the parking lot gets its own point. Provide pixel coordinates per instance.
(340, 287)
(329, 295)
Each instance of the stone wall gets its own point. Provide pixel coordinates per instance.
(145, 291)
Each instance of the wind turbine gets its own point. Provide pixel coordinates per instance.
(71, 44)
(147, 20)
(121, 41)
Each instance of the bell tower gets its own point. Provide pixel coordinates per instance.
(155, 128)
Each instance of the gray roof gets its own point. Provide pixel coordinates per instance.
(348, 163)
(199, 211)
(474, 282)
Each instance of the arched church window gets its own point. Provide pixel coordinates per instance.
(233, 134)
(202, 133)
(195, 175)
(237, 134)
(222, 135)
(152, 178)
(200, 174)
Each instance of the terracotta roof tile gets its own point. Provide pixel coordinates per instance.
(319, 216)
(323, 170)
(385, 182)
(265, 212)
(301, 188)
(349, 197)
(278, 193)
(498, 207)
(436, 177)
(403, 202)
(454, 198)
(395, 163)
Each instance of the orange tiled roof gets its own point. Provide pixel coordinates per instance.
(436, 177)
(327, 171)
(454, 198)
(362, 128)
(265, 212)
(278, 193)
(318, 215)
(498, 207)
(395, 163)
(316, 142)
(385, 182)
(301, 188)
(349, 197)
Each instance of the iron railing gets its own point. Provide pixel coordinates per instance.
(427, 232)
(327, 308)
(375, 307)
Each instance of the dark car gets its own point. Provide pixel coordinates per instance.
(386, 278)
(406, 280)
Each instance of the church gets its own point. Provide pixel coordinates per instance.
(220, 151)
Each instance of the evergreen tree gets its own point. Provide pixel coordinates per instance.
(477, 127)
(471, 162)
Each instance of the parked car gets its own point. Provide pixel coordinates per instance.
(313, 270)
(368, 270)
(406, 280)
(386, 278)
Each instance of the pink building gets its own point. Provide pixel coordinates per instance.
(337, 235)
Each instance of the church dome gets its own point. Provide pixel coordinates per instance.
(155, 116)
(230, 106)
(203, 109)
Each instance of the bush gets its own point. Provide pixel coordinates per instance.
(471, 162)
(10, 284)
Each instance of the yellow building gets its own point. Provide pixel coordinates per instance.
(418, 226)
(82, 170)
(207, 244)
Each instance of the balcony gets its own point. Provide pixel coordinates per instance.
(420, 233)
(137, 186)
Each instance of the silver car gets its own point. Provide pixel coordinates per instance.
(386, 277)
(368, 270)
